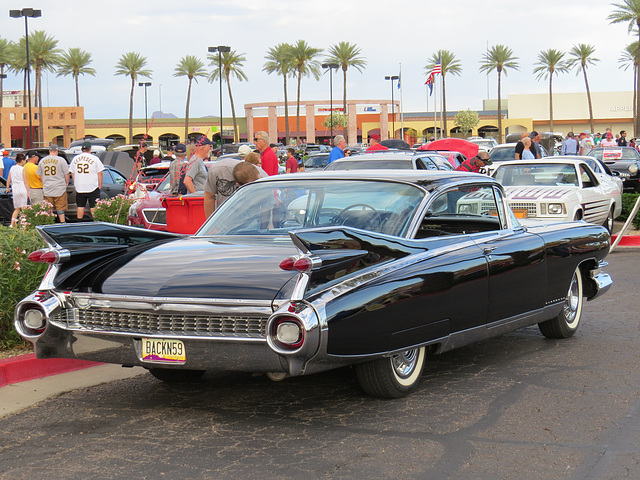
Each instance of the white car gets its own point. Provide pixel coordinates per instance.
(558, 189)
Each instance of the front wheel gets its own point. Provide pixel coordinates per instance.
(608, 223)
(567, 321)
(394, 376)
(174, 375)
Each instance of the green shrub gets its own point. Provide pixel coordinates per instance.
(628, 202)
(19, 278)
(113, 210)
(38, 214)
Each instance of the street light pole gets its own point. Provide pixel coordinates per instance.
(27, 12)
(330, 66)
(220, 49)
(393, 112)
(145, 85)
(2, 77)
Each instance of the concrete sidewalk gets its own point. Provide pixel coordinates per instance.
(17, 396)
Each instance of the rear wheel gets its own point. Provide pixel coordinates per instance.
(171, 375)
(394, 376)
(608, 223)
(567, 321)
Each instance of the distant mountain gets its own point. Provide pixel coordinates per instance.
(159, 114)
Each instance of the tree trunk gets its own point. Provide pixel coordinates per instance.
(550, 102)
(635, 93)
(77, 92)
(233, 113)
(444, 110)
(133, 83)
(499, 107)
(286, 113)
(344, 103)
(586, 83)
(636, 123)
(298, 109)
(40, 114)
(186, 115)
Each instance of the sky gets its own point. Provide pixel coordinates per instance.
(395, 37)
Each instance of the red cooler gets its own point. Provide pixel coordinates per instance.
(185, 214)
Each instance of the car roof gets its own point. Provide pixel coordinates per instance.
(544, 161)
(428, 179)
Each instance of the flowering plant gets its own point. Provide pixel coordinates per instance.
(38, 214)
(19, 276)
(113, 210)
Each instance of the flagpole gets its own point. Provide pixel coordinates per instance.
(435, 110)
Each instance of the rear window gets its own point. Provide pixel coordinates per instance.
(371, 165)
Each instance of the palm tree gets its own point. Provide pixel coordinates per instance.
(499, 58)
(346, 55)
(629, 12)
(279, 61)
(582, 56)
(45, 56)
(449, 64)
(75, 62)
(132, 65)
(232, 64)
(305, 63)
(629, 58)
(549, 62)
(191, 67)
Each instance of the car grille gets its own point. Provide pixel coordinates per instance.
(251, 326)
(155, 215)
(531, 208)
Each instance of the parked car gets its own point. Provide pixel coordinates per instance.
(624, 160)
(297, 274)
(485, 144)
(558, 188)
(316, 161)
(392, 159)
(149, 212)
(152, 175)
(507, 151)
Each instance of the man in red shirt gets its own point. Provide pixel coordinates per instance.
(267, 157)
(292, 162)
(374, 143)
(476, 163)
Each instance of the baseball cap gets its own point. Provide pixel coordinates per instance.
(244, 150)
(375, 136)
(180, 148)
(203, 140)
(53, 146)
(85, 145)
(6, 152)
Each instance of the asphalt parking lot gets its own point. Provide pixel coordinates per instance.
(516, 407)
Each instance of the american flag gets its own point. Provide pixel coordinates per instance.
(429, 82)
(437, 68)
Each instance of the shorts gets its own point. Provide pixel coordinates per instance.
(59, 203)
(91, 197)
(36, 195)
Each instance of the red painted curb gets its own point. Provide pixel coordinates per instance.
(627, 240)
(28, 367)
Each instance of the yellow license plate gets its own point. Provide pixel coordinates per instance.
(162, 350)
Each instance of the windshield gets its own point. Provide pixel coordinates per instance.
(276, 207)
(370, 165)
(522, 174)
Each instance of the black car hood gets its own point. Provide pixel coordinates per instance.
(198, 268)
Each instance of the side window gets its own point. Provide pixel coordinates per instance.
(588, 180)
(420, 164)
(463, 210)
(118, 178)
(106, 176)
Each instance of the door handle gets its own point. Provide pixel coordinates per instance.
(488, 250)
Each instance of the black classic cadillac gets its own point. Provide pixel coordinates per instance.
(297, 274)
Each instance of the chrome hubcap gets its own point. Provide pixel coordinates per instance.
(405, 362)
(571, 303)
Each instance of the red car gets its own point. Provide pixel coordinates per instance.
(152, 175)
(148, 212)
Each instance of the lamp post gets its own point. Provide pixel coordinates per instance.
(330, 66)
(220, 49)
(2, 77)
(145, 85)
(393, 112)
(26, 13)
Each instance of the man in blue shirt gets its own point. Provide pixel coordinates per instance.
(570, 145)
(338, 150)
(7, 163)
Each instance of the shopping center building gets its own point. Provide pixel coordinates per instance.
(520, 112)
